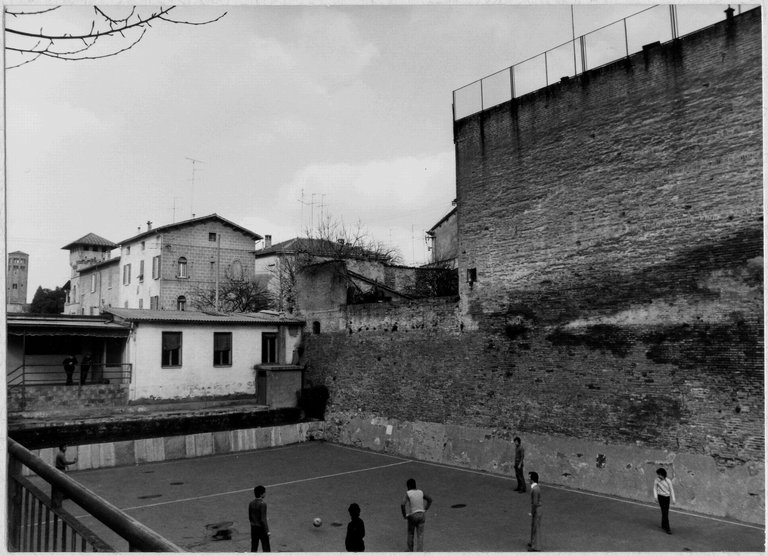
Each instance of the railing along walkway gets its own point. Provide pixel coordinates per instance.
(34, 524)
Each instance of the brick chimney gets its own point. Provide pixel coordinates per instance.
(267, 241)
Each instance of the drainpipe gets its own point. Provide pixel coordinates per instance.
(218, 268)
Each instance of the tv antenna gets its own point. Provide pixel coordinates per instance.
(195, 169)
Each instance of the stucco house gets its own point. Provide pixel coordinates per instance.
(190, 354)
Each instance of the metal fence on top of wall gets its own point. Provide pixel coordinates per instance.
(602, 46)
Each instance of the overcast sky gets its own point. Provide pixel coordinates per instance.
(351, 105)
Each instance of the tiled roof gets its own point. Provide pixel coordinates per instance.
(91, 239)
(64, 325)
(152, 315)
(192, 221)
(318, 248)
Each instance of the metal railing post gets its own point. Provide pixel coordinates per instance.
(14, 504)
(546, 70)
(512, 81)
(673, 20)
(626, 36)
(482, 100)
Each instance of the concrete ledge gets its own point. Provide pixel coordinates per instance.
(146, 450)
(624, 471)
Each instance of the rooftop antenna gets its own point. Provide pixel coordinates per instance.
(192, 192)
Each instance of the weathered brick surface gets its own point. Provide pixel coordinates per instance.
(615, 223)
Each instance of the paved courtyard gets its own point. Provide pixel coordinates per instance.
(188, 501)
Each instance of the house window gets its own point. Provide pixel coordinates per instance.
(268, 347)
(211, 236)
(222, 349)
(171, 349)
(109, 280)
(156, 267)
(141, 271)
(127, 249)
(316, 327)
(142, 246)
(141, 303)
(181, 303)
(126, 274)
(471, 275)
(183, 268)
(154, 302)
(237, 270)
(93, 283)
(15, 286)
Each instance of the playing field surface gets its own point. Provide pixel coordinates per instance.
(189, 501)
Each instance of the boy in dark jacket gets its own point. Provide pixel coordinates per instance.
(257, 515)
(355, 530)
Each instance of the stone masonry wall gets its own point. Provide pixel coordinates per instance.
(615, 225)
(46, 398)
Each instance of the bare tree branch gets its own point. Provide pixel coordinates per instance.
(104, 25)
(15, 14)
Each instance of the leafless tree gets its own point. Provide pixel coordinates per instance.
(330, 240)
(32, 33)
(236, 295)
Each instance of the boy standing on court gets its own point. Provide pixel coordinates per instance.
(61, 462)
(257, 515)
(663, 492)
(355, 530)
(519, 464)
(414, 508)
(535, 544)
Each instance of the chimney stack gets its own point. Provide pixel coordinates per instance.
(267, 241)
(149, 225)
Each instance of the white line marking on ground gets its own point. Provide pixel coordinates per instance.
(165, 503)
(557, 487)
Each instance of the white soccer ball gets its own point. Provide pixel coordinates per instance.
(317, 522)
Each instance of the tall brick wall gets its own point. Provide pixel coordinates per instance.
(615, 225)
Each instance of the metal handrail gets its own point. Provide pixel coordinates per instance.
(580, 40)
(52, 374)
(139, 536)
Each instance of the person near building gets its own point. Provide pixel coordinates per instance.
(85, 366)
(69, 367)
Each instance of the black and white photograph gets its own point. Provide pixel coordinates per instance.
(384, 276)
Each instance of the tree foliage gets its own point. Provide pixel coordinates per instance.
(236, 295)
(72, 33)
(48, 302)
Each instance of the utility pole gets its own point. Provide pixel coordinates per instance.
(192, 193)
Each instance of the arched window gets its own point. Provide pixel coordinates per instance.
(183, 267)
(181, 303)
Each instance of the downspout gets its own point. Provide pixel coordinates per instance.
(218, 269)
